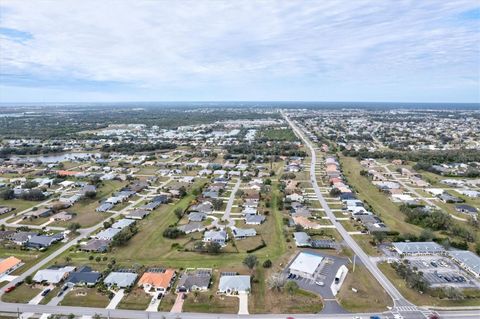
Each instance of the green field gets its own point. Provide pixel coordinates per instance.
(381, 204)
(285, 135)
(370, 296)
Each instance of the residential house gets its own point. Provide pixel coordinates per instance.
(195, 280)
(84, 276)
(234, 284)
(216, 236)
(120, 279)
(8, 265)
(158, 280)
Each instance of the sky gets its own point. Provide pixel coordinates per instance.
(379, 50)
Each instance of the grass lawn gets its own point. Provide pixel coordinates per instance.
(370, 296)
(19, 205)
(148, 247)
(137, 299)
(279, 134)
(28, 257)
(364, 242)
(423, 299)
(263, 300)
(22, 294)
(85, 209)
(381, 204)
(167, 302)
(85, 297)
(209, 302)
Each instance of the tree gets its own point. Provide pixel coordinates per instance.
(179, 212)
(250, 261)
(172, 233)
(90, 194)
(335, 192)
(267, 263)
(291, 287)
(7, 194)
(74, 227)
(379, 236)
(213, 247)
(217, 204)
(29, 280)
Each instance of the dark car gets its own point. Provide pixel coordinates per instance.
(19, 283)
(45, 292)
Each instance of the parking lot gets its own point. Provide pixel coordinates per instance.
(324, 276)
(441, 271)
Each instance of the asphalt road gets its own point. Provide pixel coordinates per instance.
(398, 299)
(84, 233)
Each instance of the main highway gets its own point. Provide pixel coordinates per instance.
(398, 299)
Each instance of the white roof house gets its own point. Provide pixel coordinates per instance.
(120, 279)
(306, 264)
(467, 260)
(418, 248)
(234, 284)
(52, 276)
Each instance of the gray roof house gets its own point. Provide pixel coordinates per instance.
(107, 234)
(254, 219)
(138, 214)
(192, 227)
(122, 223)
(104, 207)
(120, 279)
(240, 233)
(96, 245)
(42, 241)
(232, 285)
(302, 239)
(198, 280)
(196, 216)
(84, 276)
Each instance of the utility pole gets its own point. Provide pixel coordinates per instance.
(354, 259)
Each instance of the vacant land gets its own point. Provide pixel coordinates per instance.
(137, 299)
(370, 296)
(22, 294)
(286, 135)
(85, 297)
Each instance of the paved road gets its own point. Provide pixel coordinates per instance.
(397, 298)
(140, 314)
(84, 233)
(231, 200)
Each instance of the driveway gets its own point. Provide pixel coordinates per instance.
(36, 300)
(116, 299)
(177, 307)
(56, 300)
(154, 303)
(243, 303)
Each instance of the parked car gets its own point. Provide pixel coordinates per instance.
(45, 292)
(320, 283)
(19, 283)
(10, 289)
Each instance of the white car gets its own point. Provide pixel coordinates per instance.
(319, 283)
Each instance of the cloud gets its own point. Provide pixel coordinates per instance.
(194, 44)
